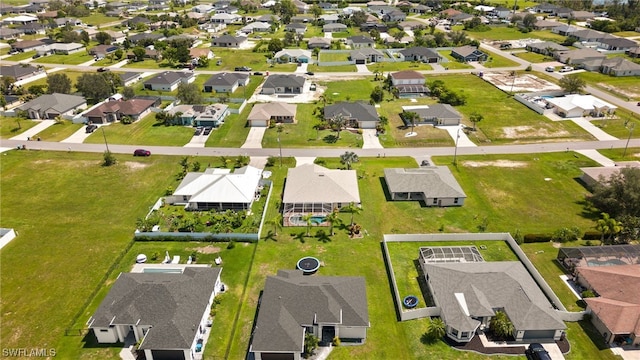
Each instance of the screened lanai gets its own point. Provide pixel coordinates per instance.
(573, 257)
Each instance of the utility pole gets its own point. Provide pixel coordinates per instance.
(279, 143)
(633, 126)
(105, 139)
(455, 151)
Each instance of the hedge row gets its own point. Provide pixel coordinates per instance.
(209, 238)
(535, 238)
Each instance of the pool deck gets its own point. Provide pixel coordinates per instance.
(288, 222)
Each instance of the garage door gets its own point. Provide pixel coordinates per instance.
(539, 334)
(361, 62)
(167, 354)
(276, 356)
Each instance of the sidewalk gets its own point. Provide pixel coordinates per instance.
(597, 157)
(593, 130)
(34, 130)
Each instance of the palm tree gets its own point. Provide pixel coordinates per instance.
(436, 329)
(338, 122)
(475, 118)
(608, 226)
(412, 117)
(307, 218)
(349, 158)
(276, 222)
(501, 325)
(332, 218)
(353, 209)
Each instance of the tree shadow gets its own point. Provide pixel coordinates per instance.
(16, 129)
(322, 236)
(588, 211)
(330, 139)
(299, 236)
(427, 339)
(271, 236)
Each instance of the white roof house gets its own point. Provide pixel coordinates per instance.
(218, 189)
(576, 105)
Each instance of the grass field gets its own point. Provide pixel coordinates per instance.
(233, 132)
(59, 132)
(73, 75)
(12, 126)
(337, 68)
(499, 124)
(452, 63)
(143, 132)
(624, 87)
(72, 59)
(97, 19)
(334, 56)
(21, 56)
(398, 66)
(620, 126)
(496, 60)
(350, 90)
(626, 34)
(512, 33)
(617, 154)
(532, 57)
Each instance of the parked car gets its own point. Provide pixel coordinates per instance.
(91, 128)
(310, 73)
(141, 152)
(207, 130)
(243, 68)
(537, 352)
(35, 56)
(102, 69)
(425, 163)
(549, 69)
(566, 69)
(312, 87)
(257, 73)
(198, 131)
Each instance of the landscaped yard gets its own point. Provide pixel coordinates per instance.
(496, 61)
(73, 75)
(337, 68)
(398, 66)
(350, 90)
(326, 56)
(12, 126)
(21, 56)
(616, 154)
(532, 57)
(505, 119)
(233, 132)
(143, 132)
(451, 62)
(512, 33)
(59, 131)
(72, 59)
(622, 126)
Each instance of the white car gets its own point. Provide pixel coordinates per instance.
(566, 69)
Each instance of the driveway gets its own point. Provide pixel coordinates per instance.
(254, 139)
(302, 68)
(456, 130)
(79, 136)
(34, 130)
(198, 141)
(597, 157)
(328, 35)
(362, 68)
(592, 129)
(370, 139)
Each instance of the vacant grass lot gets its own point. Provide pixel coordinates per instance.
(73, 75)
(59, 131)
(620, 126)
(626, 34)
(12, 126)
(512, 33)
(72, 59)
(303, 134)
(505, 119)
(625, 87)
(398, 66)
(337, 68)
(143, 132)
(350, 90)
(21, 56)
(532, 57)
(497, 61)
(334, 56)
(452, 63)
(72, 224)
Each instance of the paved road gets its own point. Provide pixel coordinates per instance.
(313, 152)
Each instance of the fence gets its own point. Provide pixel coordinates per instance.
(562, 312)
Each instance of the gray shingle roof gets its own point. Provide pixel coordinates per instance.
(18, 70)
(352, 110)
(172, 303)
(59, 102)
(225, 79)
(433, 181)
(420, 51)
(486, 286)
(438, 111)
(312, 183)
(277, 80)
(169, 77)
(291, 301)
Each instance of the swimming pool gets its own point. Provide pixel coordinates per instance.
(297, 220)
(606, 262)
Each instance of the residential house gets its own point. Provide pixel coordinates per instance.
(591, 176)
(327, 5)
(329, 18)
(546, 8)
(111, 111)
(296, 28)
(319, 42)
(19, 71)
(226, 82)
(619, 67)
(197, 53)
(615, 311)
(117, 37)
(60, 22)
(634, 52)
(130, 78)
(469, 294)
(460, 18)
(61, 48)
(394, 15)
(256, 27)
(293, 56)
(102, 51)
(133, 22)
(468, 53)
(588, 35)
(301, 19)
(228, 41)
(420, 9)
(356, 114)
(293, 305)
(576, 105)
(262, 115)
(578, 56)
(269, 19)
(313, 189)
(165, 312)
(33, 29)
(409, 83)
(546, 25)
(366, 55)
(617, 44)
(360, 41)
(545, 47)
(145, 38)
(7, 33)
(433, 185)
(49, 106)
(283, 84)
(405, 40)
(148, 54)
(225, 18)
(201, 115)
(169, 80)
(203, 9)
(435, 114)
(500, 12)
(218, 189)
(565, 30)
(301, 6)
(412, 25)
(28, 45)
(579, 15)
(449, 13)
(331, 28)
(20, 20)
(563, 12)
(374, 25)
(420, 53)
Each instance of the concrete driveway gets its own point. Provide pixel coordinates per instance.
(456, 130)
(254, 139)
(79, 136)
(370, 139)
(34, 130)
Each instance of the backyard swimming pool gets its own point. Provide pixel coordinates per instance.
(296, 220)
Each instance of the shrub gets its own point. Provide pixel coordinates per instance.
(336, 341)
(592, 235)
(588, 294)
(534, 238)
(517, 236)
(271, 160)
(231, 244)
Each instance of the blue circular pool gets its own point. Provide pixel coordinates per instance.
(308, 265)
(410, 301)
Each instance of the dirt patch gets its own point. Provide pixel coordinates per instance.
(132, 165)
(520, 83)
(209, 249)
(519, 132)
(617, 90)
(497, 163)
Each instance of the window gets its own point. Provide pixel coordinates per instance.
(104, 330)
(454, 332)
(455, 200)
(435, 201)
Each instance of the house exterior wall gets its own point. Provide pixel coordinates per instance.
(141, 115)
(601, 327)
(164, 87)
(258, 123)
(441, 202)
(258, 355)
(350, 332)
(106, 335)
(407, 81)
(367, 124)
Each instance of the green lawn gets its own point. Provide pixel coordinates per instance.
(532, 57)
(512, 33)
(337, 68)
(616, 154)
(143, 132)
(97, 19)
(21, 56)
(72, 59)
(350, 90)
(452, 63)
(499, 124)
(620, 126)
(12, 126)
(233, 132)
(302, 134)
(398, 66)
(257, 61)
(72, 224)
(334, 56)
(59, 132)
(146, 64)
(496, 61)
(624, 87)
(626, 34)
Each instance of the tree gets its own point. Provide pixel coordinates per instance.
(475, 118)
(109, 158)
(128, 92)
(307, 218)
(97, 87)
(501, 325)
(349, 158)
(377, 95)
(58, 83)
(203, 61)
(353, 208)
(3, 102)
(338, 122)
(437, 329)
(572, 83)
(276, 222)
(332, 218)
(275, 45)
(310, 343)
(410, 117)
(316, 11)
(119, 54)
(189, 94)
(529, 21)
(608, 226)
(37, 90)
(139, 52)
